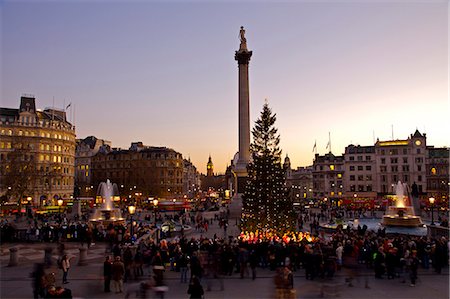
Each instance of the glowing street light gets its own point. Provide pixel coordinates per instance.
(431, 200)
(60, 203)
(131, 210)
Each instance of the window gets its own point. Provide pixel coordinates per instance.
(418, 150)
(352, 188)
(352, 178)
(360, 188)
(331, 167)
(405, 167)
(419, 178)
(368, 167)
(351, 158)
(383, 168)
(339, 175)
(405, 160)
(394, 168)
(383, 161)
(406, 178)
(394, 160)
(433, 171)
(369, 188)
(360, 167)
(405, 151)
(368, 158)
(383, 178)
(419, 167)
(368, 177)
(360, 158)
(352, 168)
(360, 178)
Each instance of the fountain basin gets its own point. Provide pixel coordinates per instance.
(401, 216)
(406, 221)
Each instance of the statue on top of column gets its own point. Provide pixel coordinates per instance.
(242, 38)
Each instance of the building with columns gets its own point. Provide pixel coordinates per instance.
(37, 154)
(367, 175)
(141, 171)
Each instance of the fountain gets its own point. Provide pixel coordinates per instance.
(107, 213)
(401, 214)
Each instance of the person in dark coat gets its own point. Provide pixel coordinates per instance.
(413, 265)
(195, 289)
(379, 263)
(107, 273)
(118, 271)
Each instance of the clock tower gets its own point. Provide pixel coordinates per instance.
(209, 167)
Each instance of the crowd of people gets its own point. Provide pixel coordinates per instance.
(204, 262)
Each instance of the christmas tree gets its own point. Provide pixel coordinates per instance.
(267, 207)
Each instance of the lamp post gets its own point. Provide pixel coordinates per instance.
(155, 205)
(431, 199)
(131, 210)
(29, 198)
(60, 203)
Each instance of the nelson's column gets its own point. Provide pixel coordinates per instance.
(240, 166)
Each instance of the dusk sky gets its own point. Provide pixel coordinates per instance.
(164, 72)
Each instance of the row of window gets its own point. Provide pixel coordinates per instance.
(359, 158)
(54, 159)
(360, 167)
(396, 178)
(404, 159)
(361, 188)
(395, 151)
(32, 134)
(389, 188)
(361, 178)
(395, 168)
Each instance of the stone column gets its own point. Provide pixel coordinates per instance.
(243, 58)
(83, 256)
(13, 257)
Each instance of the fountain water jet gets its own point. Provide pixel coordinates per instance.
(401, 214)
(107, 213)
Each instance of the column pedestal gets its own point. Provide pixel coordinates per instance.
(13, 257)
(83, 256)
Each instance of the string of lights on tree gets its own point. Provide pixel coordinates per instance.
(266, 204)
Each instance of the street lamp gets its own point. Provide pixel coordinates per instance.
(174, 201)
(431, 199)
(155, 205)
(60, 203)
(29, 198)
(131, 210)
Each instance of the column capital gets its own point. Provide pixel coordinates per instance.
(243, 56)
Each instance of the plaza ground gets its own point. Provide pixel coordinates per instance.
(86, 281)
